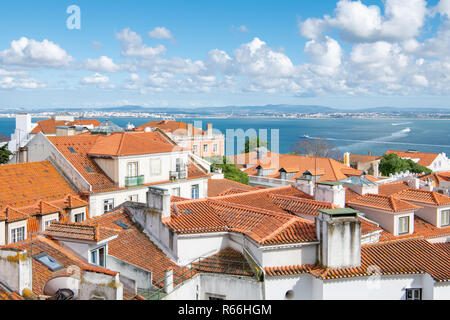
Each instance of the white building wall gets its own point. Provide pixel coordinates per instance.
(276, 288)
(2, 233)
(189, 248)
(373, 288)
(289, 256)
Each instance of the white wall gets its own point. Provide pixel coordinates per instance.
(277, 287)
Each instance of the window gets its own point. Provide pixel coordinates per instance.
(178, 165)
(215, 297)
(132, 169)
(215, 147)
(155, 167)
(445, 218)
(89, 169)
(79, 217)
(48, 223)
(176, 192)
(171, 240)
(108, 205)
(403, 225)
(195, 148)
(17, 234)
(205, 148)
(195, 192)
(413, 294)
(283, 175)
(98, 256)
(72, 150)
(133, 198)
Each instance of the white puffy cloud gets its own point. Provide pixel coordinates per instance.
(132, 46)
(325, 55)
(402, 20)
(10, 82)
(257, 59)
(31, 53)
(102, 64)
(160, 33)
(97, 79)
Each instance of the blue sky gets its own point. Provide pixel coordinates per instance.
(214, 53)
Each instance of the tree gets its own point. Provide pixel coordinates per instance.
(4, 154)
(318, 147)
(392, 163)
(229, 169)
(253, 143)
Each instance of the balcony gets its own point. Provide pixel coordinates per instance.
(134, 181)
(178, 175)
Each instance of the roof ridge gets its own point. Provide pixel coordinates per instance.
(243, 206)
(251, 192)
(283, 227)
(288, 197)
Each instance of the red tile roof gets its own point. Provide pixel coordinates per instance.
(425, 159)
(133, 246)
(425, 197)
(79, 232)
(413, 256)
(300, 206)
(27, 183)
(363, 158)
(48, 126)
(218, 187)
(380, 202)
(174, 127)
(6, 294)
(389, 189)
(128, 143)
(329, 169)
(421, 229)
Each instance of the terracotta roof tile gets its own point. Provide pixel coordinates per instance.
(27, 183)
(79, 232)
(133, 246)
(413, 256)
(388, 189)
(425, 159)
(227, 261)
(218, 187)
(390, 204)
(422, 196)
(363, 158)
(421, 229)
(48, 126)
(174, 127)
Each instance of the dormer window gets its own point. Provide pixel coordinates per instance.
(17, 234)
(445, 218)
(403, 225)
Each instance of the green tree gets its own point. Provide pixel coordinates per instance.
(230, 171)
(4, 154)
(253, 143)
(392, 163)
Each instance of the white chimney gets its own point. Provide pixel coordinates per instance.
(16, 270)
(414, 183)
(159, 200)
(332, 192)
(23, 122)
(168, 281)
(304, 185)
(347, 159)
(339, 233)
(190, 130)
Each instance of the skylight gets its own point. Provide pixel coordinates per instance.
(72, 150)
(48, 261)
(89, 169)
(122, 225)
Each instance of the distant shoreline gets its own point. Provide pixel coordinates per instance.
(181, 117)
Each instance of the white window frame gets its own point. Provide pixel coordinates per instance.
(176, 192)
(215, 148)
(96, 261)
(205, 148)
(15, 234)
(400, 223)
(445, 218)
(155, 164)
(133, 169)
(416, 294)
(195, 149)
(109, 203)
(198, 191)
(78, 214)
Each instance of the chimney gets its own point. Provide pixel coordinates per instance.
(190, 130)
(23, 122)
(159, 200)
(209, 129)
(330, 191)
(347, 159)
(16, 270)
(414, 183)
(339, 233)
(305, 185)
